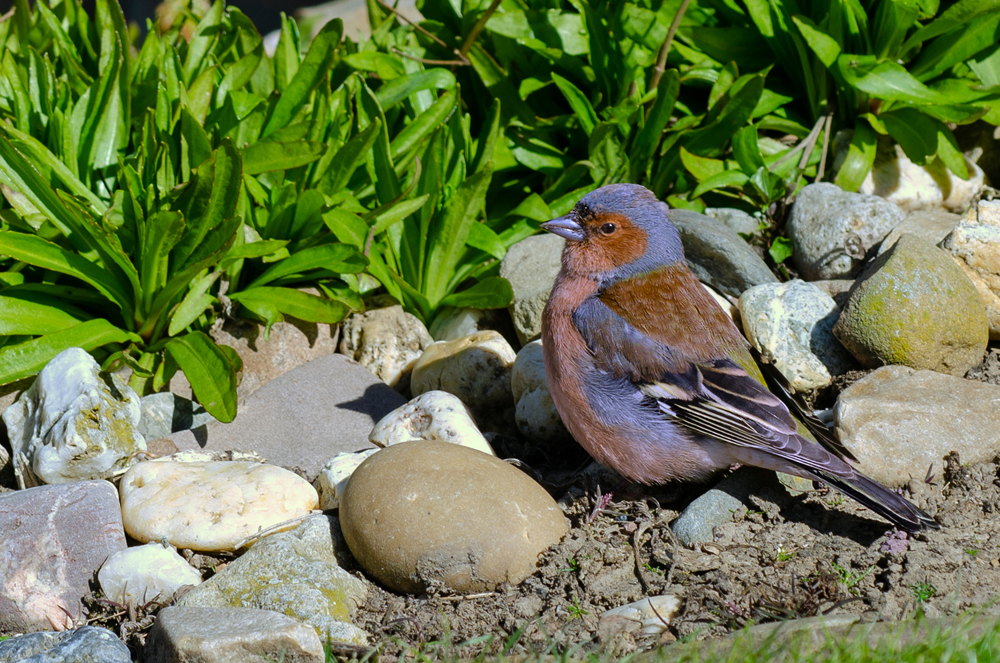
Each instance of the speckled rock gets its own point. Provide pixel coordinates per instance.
(53, 540)
(72, 425)
(718, 255)
(898, 421)
(913, 306)
(931, 186)
(736, 219)
(791, 325)
(932, 225)
(832, 230)
(142, 574)
(536, 414)
(718, 505)
(433, 415)
(417, 513)
(386, 341)
(476, 369)
(531, 266)
(210, 506)
(295, 573)
(975, 244)
(87, 644)
(230, 635)
(333, 477)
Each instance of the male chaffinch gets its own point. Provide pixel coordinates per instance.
(652, 377)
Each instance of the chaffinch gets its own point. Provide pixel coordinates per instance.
(653, 378)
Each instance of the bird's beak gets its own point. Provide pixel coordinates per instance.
(566, 227)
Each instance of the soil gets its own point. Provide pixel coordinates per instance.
(785, 556)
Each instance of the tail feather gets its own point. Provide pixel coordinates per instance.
(900, 512)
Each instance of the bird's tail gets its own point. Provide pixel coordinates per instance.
(900, 512)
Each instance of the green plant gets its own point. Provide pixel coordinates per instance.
(851, 578)
(576, 611)
(923, 591)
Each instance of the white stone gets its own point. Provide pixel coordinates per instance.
(386, 341)
(73, 423)
(975, 245)
(434, 415)
(653, 612)
(145, 573)
(536, 414)
(932, 186)
(210, 506)
(334, 475)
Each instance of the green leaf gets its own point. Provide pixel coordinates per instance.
(822, 44)
(257, 249)
(963, 12)
(701, 167)
(780, 250)
(340, 258)
(746, 150)
(346, 227)
(288, 301)
(239, 74)
(887, 81)
(915, 132)
(492, 292)
(163, 231)
(348, 158)
(397, 212)
(266, 156)
(209, 371)
(400, 88)
(32, 314)
(424, 124)
(201, 41)
(860, 157)
(949, 152)
(729, 178)
(582, 108)
(195, 302)
(484, 239)
(649, 137)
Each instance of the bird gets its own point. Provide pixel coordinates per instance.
(654, 379)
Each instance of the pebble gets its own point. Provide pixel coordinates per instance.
(304, 417)
(791, 325)
(295, 573)
(429, 512)
(913, 306)
(54, 540)
(832, 229)
(717, 255)
(143, 574)
(719, 504)
(932, 225)
(839, 289)
(333, 477)
(911, 187)
(386, 341)
(210, 506)
(476, 369)
(228, 635)
(736, 219)
(165, 413)
(433, 415)
(531, 266)
(897, 421)
(535, 413)
(975, 245)
(71, 425)
(87, 644)
(651, 614)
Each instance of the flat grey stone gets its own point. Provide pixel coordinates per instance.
(165, 413)
(88, 644)
(932, 225)
(304, 417)
(736, 219)
(531, 266)
(718, 505)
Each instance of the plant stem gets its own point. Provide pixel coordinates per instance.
(826, 145)
(661, 58)
(478, 27)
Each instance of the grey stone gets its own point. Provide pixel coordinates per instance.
(914, 306)
(832, 230)
(295, 573)
(536, 414)
(717, 255)
(165, 413)
(531, 266)
(88, 644)
(736, 219)
(230, 635)
(304, 417)
(386, 341)
(54, 540)
(932, 225)
(718, 505)
(897, 421)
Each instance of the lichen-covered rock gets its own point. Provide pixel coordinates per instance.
(143, 574)
(791, 325)
(531, 266)
(433, 415)
(975, 244)
(536, 414)
(386, 341)
(73, 424)
(914, 306)
(832, 229)
(932, 225)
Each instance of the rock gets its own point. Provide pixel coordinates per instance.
(295, 573)
(975, 245)
(932, 225)
(73, 424)
(531, 266)
(455, 323)
(839, 289)
(791, 325)
(304, 417)
(228, 635)
(87, 644)
(536, 414)
(911, 187)
(476, 369)
(651, 614)
(210, 506)
(717, 255)
(718, 505)
(898, 421)
(832, 230)
(912, 306)
(165, 413)
(433, 415)
(54, 540)
(736, 219)
(333, 477)
(417, 514)
(386, 341)
(143, 574)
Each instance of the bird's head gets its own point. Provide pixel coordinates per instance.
(616, 232)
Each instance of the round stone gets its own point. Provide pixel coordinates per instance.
(423, 512)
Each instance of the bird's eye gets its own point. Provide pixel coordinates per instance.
(608, 228)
